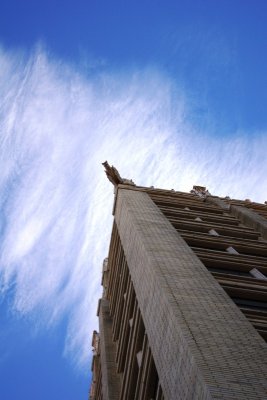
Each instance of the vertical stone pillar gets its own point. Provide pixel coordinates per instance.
(203, 346)
(111, 382)
(251, 219)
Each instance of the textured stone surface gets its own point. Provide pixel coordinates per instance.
(111, 383)
(251, 219)
(203, 346)
(218, 202)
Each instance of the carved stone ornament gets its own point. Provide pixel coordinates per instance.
(200, 191)
(114, 176)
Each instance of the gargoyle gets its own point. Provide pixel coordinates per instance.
(114, 176)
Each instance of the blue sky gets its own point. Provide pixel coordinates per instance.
(172, 93)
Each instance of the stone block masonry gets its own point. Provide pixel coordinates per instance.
(203, 346)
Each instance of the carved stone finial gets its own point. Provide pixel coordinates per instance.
(114, 176)
(200, 191)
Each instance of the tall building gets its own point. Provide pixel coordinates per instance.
(184, 308)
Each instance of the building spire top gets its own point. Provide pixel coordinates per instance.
(114, 176)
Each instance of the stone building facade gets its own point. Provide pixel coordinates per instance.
(184, 308)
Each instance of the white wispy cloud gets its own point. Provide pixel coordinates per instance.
(57, 126)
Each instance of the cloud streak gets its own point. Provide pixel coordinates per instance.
(57, 126)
